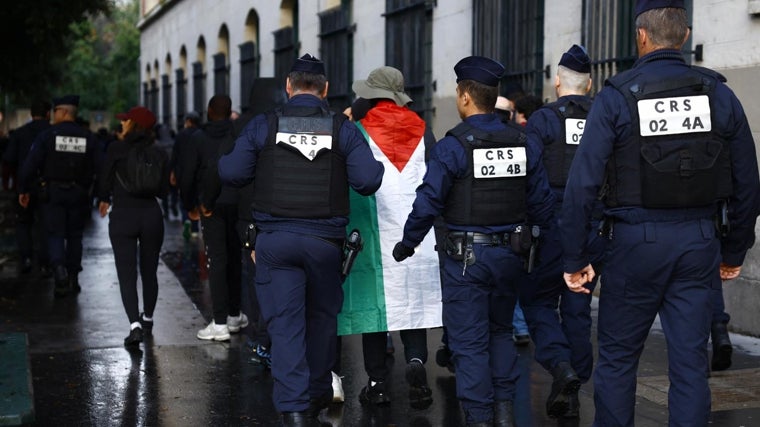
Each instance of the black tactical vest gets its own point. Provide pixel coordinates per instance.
(493, 190)
(301, 172)
(674, 157)
(66, 157)
(558, 155)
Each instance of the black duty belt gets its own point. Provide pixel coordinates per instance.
(495, 239)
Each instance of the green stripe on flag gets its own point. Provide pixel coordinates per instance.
(364, 296)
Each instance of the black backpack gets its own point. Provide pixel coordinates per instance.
(146, 170)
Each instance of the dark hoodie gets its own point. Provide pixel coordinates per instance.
(199, 166)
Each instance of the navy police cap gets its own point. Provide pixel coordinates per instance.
(66, 100)
(576, 59)
(308, 64)
(645, 5)
(480, 69)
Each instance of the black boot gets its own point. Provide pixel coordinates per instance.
(317, 404)
(721, 344)
(565, 383)
(375, 394)
(298, 419)
(61, 278)
(573, 406)
(301, 419)
(420, 395)
(502, 414)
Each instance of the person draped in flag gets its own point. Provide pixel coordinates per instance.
(487, 181)
(382, 295)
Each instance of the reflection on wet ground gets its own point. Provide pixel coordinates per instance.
(82, 374)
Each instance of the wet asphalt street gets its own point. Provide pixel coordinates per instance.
(83, 376)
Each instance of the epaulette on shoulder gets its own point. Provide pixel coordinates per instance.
(710, 73)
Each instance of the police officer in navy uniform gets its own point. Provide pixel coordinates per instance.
(667, 145)
(30, 235)
(562, 339)
(302, 159)
(67, 156)
(485, 179)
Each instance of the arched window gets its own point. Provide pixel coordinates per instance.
(286, 39)
(335, 48)
(221, 66)
(181, 83)
(249, 59)
(199, 78)
(166, 91)
(408, 47)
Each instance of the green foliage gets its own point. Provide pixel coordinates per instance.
(87, 47)
(35, 35)
(102, 64)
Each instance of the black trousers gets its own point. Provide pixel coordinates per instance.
(31, 236)
(373, 346)
(224, 267)
(133, 231)
(257, 328)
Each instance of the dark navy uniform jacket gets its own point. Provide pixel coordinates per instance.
(545, 127)
(21, 141)
(609, 122)
(45, 143)
(448, 161)
(365, 174)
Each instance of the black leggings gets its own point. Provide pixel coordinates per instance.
(126, 228)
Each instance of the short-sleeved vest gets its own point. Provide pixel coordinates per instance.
(493, 189)
(66, 157)
(558, 155)
(301, 172)
(674, 157)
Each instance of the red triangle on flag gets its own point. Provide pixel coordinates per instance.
(397, 131)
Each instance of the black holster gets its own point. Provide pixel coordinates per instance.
(351, 248)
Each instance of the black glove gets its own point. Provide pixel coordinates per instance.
(402, 252)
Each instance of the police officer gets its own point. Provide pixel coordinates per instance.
(66, 156)
(665, 142)
(485, 179)
(562, 347)
(304, 159)
(30, 235)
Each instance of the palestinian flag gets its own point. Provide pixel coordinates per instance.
(380, 293)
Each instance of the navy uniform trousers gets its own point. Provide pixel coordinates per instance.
(477, 313)
(667, 268)
(300, 292)
(564, 335)
(65, 217)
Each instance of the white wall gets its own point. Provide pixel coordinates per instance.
(452, 41)
(562, 29)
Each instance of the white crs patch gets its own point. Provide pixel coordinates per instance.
(574, 131)
(506, 162)
(70, 144)
(306, 143)
(670, 116)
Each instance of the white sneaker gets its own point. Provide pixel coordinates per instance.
(337, 385)
(235, 323)
(214, 332)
